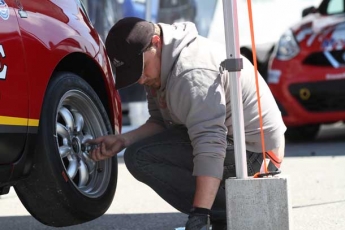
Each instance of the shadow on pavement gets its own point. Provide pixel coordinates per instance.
(152, 221)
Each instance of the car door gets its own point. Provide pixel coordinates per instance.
(13, 86)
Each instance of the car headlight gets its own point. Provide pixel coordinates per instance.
(287, 46)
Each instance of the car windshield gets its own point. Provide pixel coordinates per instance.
(335, 7)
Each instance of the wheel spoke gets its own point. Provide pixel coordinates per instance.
(62, 131)
(72, 167)
(86, 137)
(83, 174)
(67, 117)
(90, 163)
(64, 151)
(78, 121)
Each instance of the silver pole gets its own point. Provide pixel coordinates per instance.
(148, 10)
(233, 52)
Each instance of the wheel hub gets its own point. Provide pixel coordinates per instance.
(76, 146)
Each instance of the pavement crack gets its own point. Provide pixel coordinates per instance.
(319, 204)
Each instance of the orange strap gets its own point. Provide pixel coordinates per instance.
(275, 160)
(271, 155)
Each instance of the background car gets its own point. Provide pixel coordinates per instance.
(105, 13)
(166, 11)
(57, 90)
(307, 71)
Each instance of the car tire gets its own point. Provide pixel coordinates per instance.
(65, 187)
(302, 133)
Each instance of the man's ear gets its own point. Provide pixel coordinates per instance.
(156, 41)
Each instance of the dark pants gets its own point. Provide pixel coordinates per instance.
(165, 163)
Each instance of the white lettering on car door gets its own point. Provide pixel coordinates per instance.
(3, 69)
(4, 11)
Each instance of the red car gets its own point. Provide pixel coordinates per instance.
(57, 90)
(307, 71)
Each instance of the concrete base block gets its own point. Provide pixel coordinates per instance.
(260, 203)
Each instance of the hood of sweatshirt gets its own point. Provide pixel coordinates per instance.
(175, 38)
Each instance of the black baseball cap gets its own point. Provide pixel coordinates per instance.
(125, 44)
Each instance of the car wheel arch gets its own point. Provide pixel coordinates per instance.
(86, 68)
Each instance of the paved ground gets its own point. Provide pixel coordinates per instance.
(317, 188)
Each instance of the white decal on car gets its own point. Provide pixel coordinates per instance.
(274, 76)
(333, 44)
(331, 59)
(303, 34)
(335, 76)
(311, 39)
(3, 70)
(4, 11)
(336, 40)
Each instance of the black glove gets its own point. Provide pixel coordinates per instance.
(198, 219)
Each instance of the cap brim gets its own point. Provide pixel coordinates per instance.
(130, 73)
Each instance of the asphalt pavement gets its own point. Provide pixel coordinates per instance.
(316, 185)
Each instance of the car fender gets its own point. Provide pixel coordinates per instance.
(45, 51)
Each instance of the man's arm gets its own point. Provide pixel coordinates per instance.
(206, 191)
(146, 130)
(110, 145)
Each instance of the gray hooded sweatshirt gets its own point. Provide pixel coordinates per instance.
(195, 93)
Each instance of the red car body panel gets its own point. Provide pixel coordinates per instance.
(300, 81)
(58, 38)
(31, 55)
(13, 103)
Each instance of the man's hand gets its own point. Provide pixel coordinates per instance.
(107, 146)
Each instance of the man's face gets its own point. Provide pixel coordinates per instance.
(152, 68)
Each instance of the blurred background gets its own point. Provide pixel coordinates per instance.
(279, 26)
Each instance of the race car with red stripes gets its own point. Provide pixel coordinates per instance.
(57, 90)
(306, 71)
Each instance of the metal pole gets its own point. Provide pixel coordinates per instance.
(233, 52)
(148, 10)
